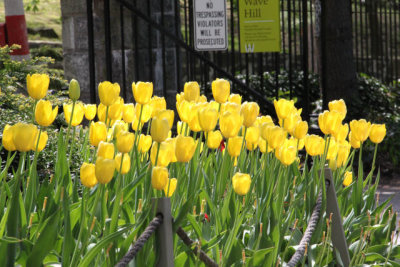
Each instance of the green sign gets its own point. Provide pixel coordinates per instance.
(259, 26)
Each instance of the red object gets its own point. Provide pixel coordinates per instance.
(206, 217)
(3, 39)
(17, 33)
(222, 146)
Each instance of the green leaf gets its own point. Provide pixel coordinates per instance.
(259, 256)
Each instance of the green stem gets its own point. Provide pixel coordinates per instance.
(83, 222)
(373, 166)
(158, 151)
(70, 122)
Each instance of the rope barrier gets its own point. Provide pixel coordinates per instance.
(312, 224)
(201, 254)
(150, 229)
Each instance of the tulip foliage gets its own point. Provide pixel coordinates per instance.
(243, 186)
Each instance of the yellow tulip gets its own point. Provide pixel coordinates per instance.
(221, 89)
(42, 141)
(208, 118)
(263, 119)
(185, 147)
(116, 109)
(24, 136)
(126, 163)
(342, 133)
(300, 130)
(277, 137)
(184, 110)
(249, 111)
(235, 146)
(159, 178)
(194, 123)
(286, 154)
(125, 142)
(144, 143)
(283, 107)
(231, 107)
(241, 183)
(235, 98)
(142, 92)
(202, 99)
(339, 106)
(108, 92)
(44, 114)
(172, 146)
(104, 169)
(117, 128)
(252, 134)
(291, 121)
(74, 90)
(348, 178)
(191, 91)
(377, 133)
(164, 154)
(251, 146)
(147, 111)
(265, 129)
(314, 144)
(343, 153)
(360, 129)
(37, 85)
(159, 129)
(78, 113)
(354, 142)
(97, 133)
(230, 124)
(169, 189)
(167, 114)
(87, 175)
(330, 122)
(90, 111)
(136, 126)
(7, 140)
(332, 149)
(157, 104)
(101, 112)
(180, 127)
(214, 139)
(180, 97)
(105, 150)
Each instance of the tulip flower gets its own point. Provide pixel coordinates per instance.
(90, 111)
(191, 91)
(263, 119)
(167, 114)
(339, 106)
(143, 114)
(169, 189)
(24, 136)
(354, 142)
(116, 109)
(230, 124)
(314, 144)
(101, 112)
(348, 178)
(332, 149)
(108, 93)
(249, 111)
(104, 170)
(7, 140)
(235, 98)
(265, 129)
(342, 133)
(343, 153)
(126, 163)
(125, 142)
(40, 144)
(185, 147)
(214, 139)
(157, 104)
(118, 127)
(277, 137)
(78, 113)
(172, 147)
(142, 92)
(184, 110)
(144, 143)
(377, 133)
(105, 150)
(97, 133)
(231, 107)
(241, 183)
(44, 114)
(128, 112)
(252, 134)
(164, 154)
(286, 154)
(330, 122)
(37, 85)
(300, 130)
(235, 146)
(159, 178)
(208, 118)
(136, 126)
(159, 129)
(74, 90)
(221, 89)
(360, 129)
(291, 121)
(87, 175)
(194, 122)
(180, 97)
(283, 107)
(202, 99)
(251, 145)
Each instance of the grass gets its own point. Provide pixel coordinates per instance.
(49, 16)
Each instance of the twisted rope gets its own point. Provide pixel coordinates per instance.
(150, 229)
(201, 254)
(308, 233)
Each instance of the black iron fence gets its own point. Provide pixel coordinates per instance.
(153, 40)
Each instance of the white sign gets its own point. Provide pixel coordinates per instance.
(210, 31)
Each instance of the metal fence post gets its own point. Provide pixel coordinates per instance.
(338, 237)
(164, 235)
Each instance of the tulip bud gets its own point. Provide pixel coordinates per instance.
(7, 139)
(74, 90)
(104, 170)
(116, 109)
(330, 122)
(37, 85)
(286, 154)
(169, 189)
(377, 133)
(208, 118)
(252, 134)
(342, 133)
(184, 109)
(231, 107)
(159, 178)
(348, 178)
(314, 144)
(241, 183)
(87, 175)
(360, 129)
(165, 154)
(230, 124)
(283, 107)
(97, 133)
(235, 98)
(221, 89)
(354, 142)
(235, 146)
(24, 136)
(157, 104)
(105, 150)
(108, 92)
(167, 114)
(159, 129)
(214, 139)
(44, 114)
(142, 92)
(277, 137)
(249, 111)
(90, 111)
(291, 121)
(125, 142)
(126, 163)
(172, 147)
(185, 147)
(339, 106)
(144, 143)
(300, 129)
(191, 91)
